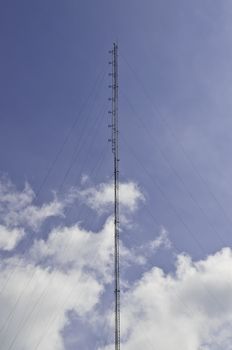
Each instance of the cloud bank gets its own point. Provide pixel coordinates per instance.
(100, 198)
(68, 271)
(189, 308)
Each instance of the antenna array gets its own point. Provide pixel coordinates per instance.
(115, 150)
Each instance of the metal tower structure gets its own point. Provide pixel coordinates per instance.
(115, 150)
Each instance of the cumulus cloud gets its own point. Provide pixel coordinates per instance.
(75, 247)
(35, 302)
(67, 271)
(101, 197)
(9, 238)
(19, 214)
(17, 208)
(189, 310)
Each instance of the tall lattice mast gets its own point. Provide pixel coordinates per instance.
(115, 150)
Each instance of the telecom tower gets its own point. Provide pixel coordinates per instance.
(115, 150)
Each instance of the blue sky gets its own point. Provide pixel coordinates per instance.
(56, 172)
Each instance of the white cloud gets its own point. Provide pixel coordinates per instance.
(34, 216)
(75, 247)
(35, 302)
(189, 310)
(18, 213)
(67, 272)
(12, 198)
(56, 276)
(9, 238)
(101, 197)
(17, 208)
(161, 241)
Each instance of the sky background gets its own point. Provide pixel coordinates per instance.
(175, 79)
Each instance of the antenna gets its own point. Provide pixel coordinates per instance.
(115, 150)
